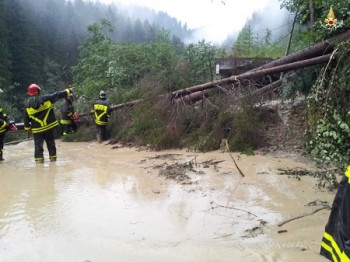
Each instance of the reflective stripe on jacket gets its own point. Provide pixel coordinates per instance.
(39, 113)
(66, 122)
(101, 112)
(67, 111)
(43, 118)
(3, 122)
(335, 243)
(3, 125)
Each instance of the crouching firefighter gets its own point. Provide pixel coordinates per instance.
(68, 116)
(39, 117)
(335, 244)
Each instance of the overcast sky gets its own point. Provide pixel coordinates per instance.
(217, 18)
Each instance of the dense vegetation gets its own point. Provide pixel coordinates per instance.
(134, 60)
(328, 133)
(40, 40)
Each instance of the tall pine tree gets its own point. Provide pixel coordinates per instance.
(5, 73)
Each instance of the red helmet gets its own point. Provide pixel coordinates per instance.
(34, 90)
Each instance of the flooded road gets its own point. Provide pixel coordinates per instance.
(99, 203)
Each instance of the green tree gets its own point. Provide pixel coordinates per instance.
(245, 43)
(25, 43)
(200, 57)
(91, 72)
(164, 53)
(52, 76)
(131, 62)
(311, 15)
(5, 72)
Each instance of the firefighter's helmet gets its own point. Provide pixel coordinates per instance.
(103, 94)
(34, 90)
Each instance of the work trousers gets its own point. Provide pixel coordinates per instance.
(2, 136)
(101, 132)
(39, 139)
(66, 128)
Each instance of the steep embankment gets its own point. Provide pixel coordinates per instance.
(284, 128)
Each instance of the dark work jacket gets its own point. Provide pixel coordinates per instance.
(39, 114)
(335, 243)
(3, 121)
(102, 112)
(67, 110)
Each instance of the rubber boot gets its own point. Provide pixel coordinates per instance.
(1, 158)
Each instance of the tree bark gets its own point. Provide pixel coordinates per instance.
(319, 49)
(251, 74)
(191, 98)
(266, 89)
(116, 107)
(312, 14)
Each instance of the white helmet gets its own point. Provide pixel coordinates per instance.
(102, 94)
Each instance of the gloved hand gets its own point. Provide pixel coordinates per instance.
(69, 90)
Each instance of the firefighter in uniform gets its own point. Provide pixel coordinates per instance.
(335, 245)
(68, 116)
(39, 117)
(102, 112)
(6, 123)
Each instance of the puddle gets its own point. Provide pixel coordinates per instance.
(102, 204)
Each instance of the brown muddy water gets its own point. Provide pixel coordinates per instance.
(99, 204)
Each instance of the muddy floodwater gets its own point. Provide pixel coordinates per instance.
(102, 203)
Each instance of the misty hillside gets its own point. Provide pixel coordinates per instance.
(64, 23)
(131, 23)
(40, 38)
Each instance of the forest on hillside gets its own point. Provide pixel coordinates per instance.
(40, 40)
(145, 61)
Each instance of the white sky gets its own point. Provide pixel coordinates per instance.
(217, 18)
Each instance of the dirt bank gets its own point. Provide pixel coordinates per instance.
(284, 128)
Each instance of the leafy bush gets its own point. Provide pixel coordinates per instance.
(329, 132)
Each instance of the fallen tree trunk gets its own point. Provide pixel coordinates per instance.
(126, 105)
(191, 98)
(319, 49)
(116, 107)
(266, 89)
(251, 74)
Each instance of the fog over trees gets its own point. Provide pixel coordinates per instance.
(40, 39)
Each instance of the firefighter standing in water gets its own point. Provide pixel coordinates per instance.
(6, 123)
(102, 112)
(39, 117)
(68, 116)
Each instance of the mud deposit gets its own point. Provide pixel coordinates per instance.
(103, 203)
